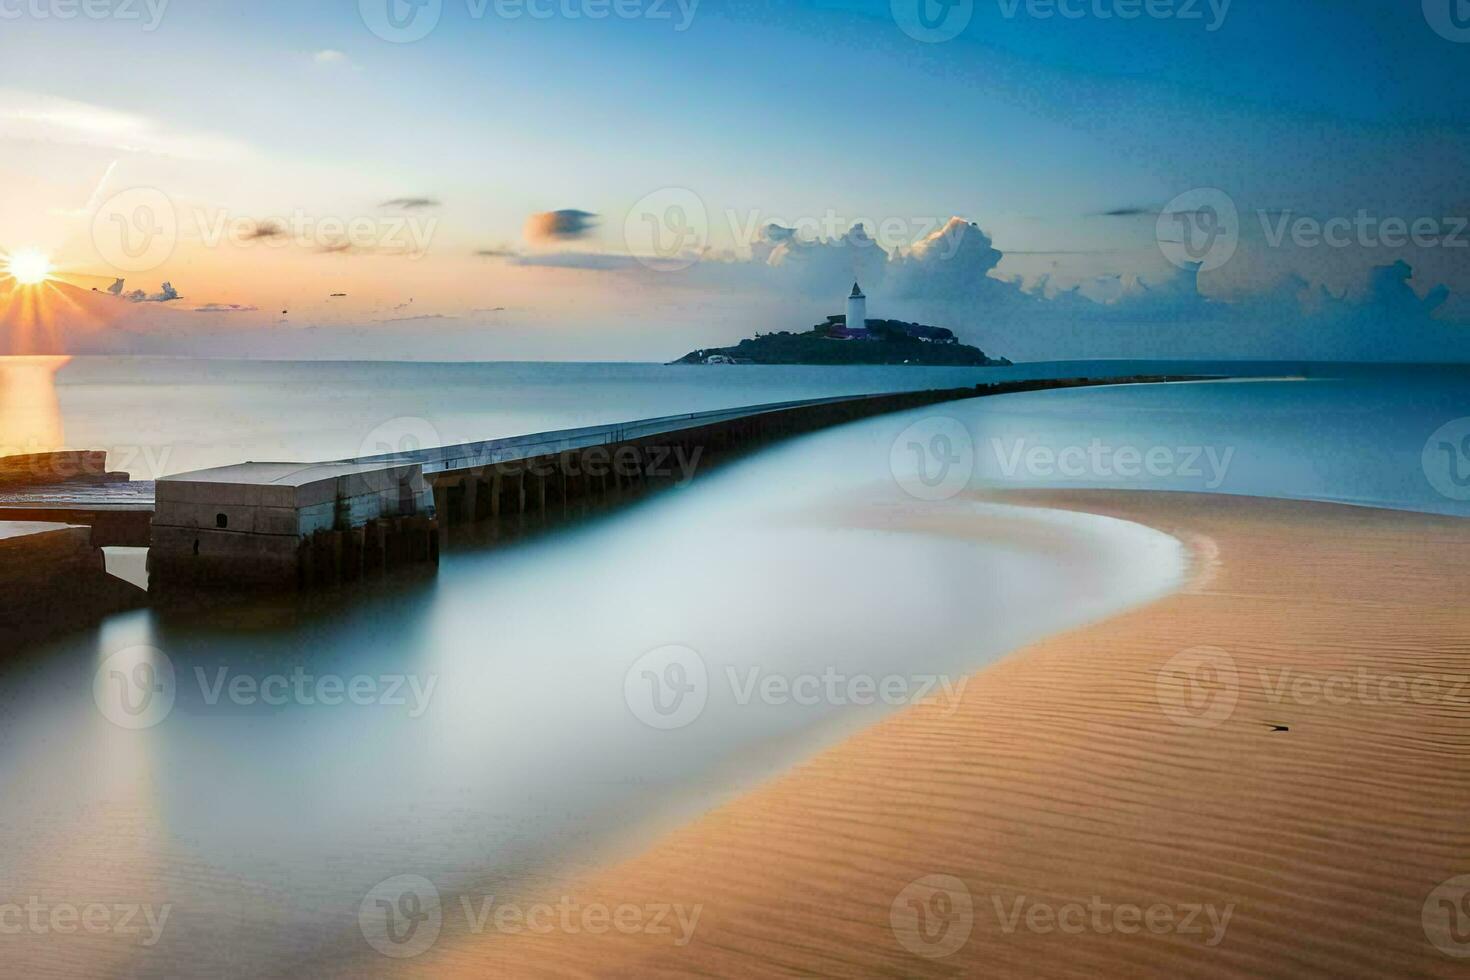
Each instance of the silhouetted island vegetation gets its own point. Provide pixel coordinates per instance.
(880, 342)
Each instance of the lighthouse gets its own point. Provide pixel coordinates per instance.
(857, 310)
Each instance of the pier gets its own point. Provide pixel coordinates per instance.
(302, 525)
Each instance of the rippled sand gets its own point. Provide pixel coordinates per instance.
(1101, 772)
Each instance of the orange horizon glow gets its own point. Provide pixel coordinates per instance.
(37, 317)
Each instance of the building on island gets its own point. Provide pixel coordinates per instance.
(853, 326)
(857, 309)
(846, 327)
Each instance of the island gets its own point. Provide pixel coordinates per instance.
(833, 342)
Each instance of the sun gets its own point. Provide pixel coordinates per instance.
(29, 267)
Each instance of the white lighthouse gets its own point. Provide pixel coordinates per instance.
(857, 309)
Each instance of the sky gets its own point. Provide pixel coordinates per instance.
(631, 179)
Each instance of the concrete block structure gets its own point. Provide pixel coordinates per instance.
(255, 523)
(52, 578)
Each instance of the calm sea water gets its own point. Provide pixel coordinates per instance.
(528, 731)
(159, 416)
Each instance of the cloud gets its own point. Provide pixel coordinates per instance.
(410, 203)
(331, 57)
(556, 226)
(812, 267)
(591, 261)
(166, 294)
(33, 117)
(951, 278)
(1126, 212)
(419, 317)
(225, 308)
(951, 263)
(774, 234)
(265, 229)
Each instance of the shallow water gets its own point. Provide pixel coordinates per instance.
(519, 714)
(1387, 437)
(529, 742)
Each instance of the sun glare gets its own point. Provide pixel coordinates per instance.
(29, 267)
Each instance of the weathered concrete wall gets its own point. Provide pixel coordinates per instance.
(254, 524)
(52, 579)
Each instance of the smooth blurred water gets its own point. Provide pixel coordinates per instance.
(1359, 435)
(852, 551)
(159, 416)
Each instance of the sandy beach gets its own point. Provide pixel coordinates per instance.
(1262, 774)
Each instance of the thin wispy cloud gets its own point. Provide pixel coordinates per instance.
(1127, 212)
(590, 261)
(225, 308)
(33, 117)
(264, 230)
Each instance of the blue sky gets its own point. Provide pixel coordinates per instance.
(1032, 127)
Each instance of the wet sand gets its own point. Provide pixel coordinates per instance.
(1267, 773)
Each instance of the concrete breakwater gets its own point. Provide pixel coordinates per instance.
(304, 525)
(52, 578)
(299, 525)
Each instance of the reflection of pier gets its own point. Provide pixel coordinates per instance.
(290, 525)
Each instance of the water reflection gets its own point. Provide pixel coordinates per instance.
(30, 411)
(476, 727)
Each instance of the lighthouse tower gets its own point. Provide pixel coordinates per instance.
(857, 309)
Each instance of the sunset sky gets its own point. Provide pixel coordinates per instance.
(485, 191)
